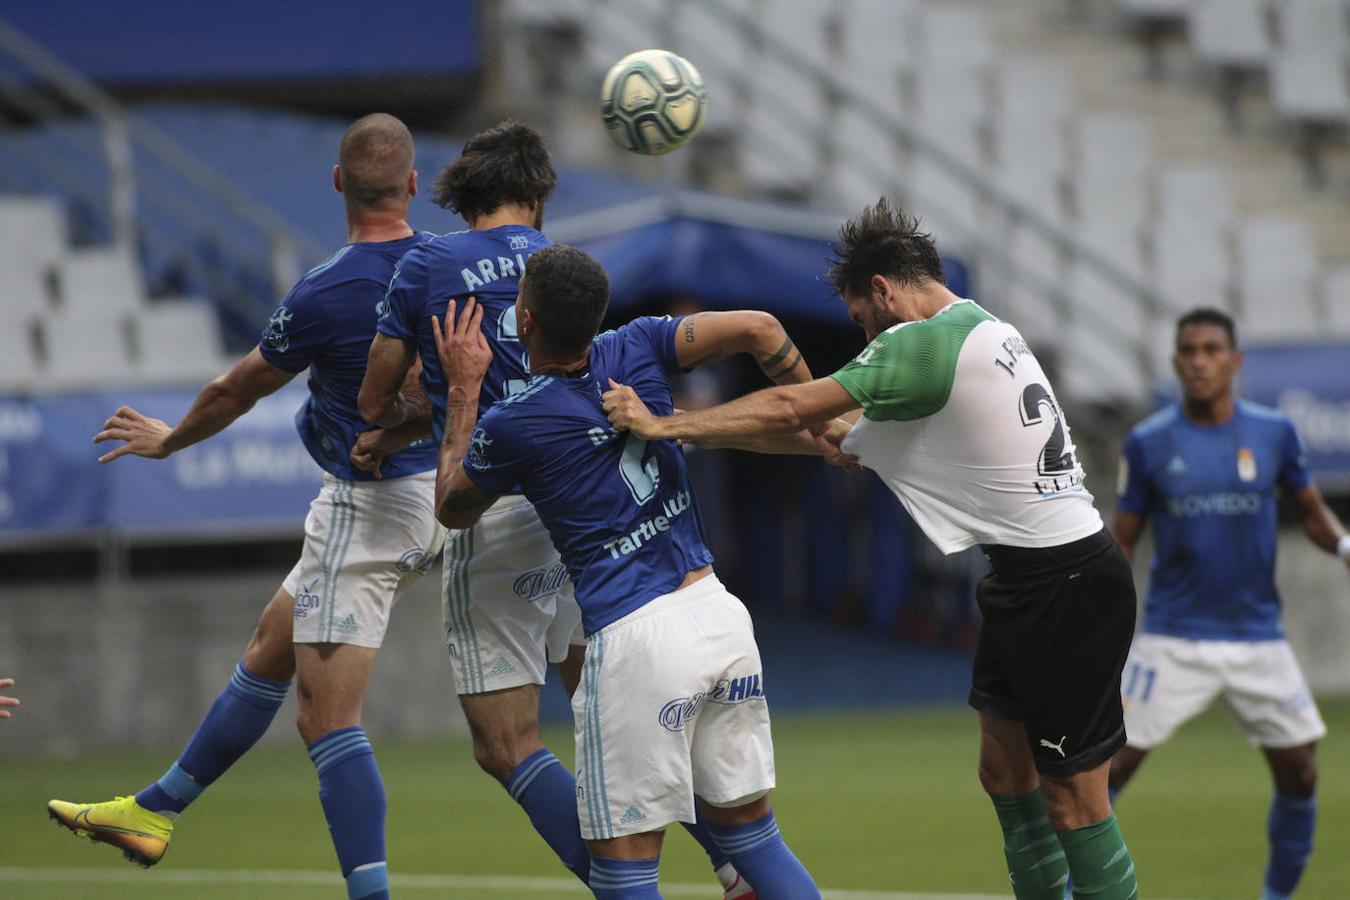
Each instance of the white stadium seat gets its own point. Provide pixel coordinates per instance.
(1157, 8)
(100, 280)
(953, 34)
(1316, 26)
(86, 348)
(957, 92)
(1277, 268)
(32, 239)
(1336, 299)
(1230, 32)
(1032, 90)
(1198, 195)
(1112, 144)
(1310, 86)
(870, 31)
(179, 339)
(18, 356)
(1191, 266)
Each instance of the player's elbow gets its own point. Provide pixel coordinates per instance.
(765, 332)
(224, 393)
(452, 515)
(784, 414)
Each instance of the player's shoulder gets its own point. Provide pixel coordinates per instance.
(1157, 423)
(1263, 415)
(528, 400)
(959, 316)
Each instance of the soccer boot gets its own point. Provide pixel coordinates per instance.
(140, 834)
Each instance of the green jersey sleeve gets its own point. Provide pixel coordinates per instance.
(907, 372)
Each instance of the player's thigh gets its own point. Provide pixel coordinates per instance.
(504, 719)
(501, 588)
(643, 684)
(1268, 696)
(1006, 766)
(365, 544)
(269, 653)
(732, 747)
(1064, 637)
(1167, 682)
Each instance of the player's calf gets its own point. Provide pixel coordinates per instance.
(746, 831)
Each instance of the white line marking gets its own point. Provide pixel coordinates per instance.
(515, 884)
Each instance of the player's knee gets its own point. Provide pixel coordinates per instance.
(1123, 766)
(495, 756)
(999, 779)
(1299, 780)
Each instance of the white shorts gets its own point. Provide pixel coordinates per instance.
(671, 704)
(506, 600)
(1168, 681)
(366, 542)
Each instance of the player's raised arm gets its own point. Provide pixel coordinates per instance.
(221, 402)
(708, 336)
(382, 401)
(464, 356)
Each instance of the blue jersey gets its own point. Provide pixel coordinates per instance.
(484, 264)
(1211, 493)
(620, 510)
(326, 324)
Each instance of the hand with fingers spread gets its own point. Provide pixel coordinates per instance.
(627, 412)
(462, 347)
(7, 701)
(143, 436)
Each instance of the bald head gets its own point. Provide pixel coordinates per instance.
(375, 160)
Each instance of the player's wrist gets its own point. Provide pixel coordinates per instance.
(1343, 547)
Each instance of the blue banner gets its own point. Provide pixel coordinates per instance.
(254, 476)
(1310, 383)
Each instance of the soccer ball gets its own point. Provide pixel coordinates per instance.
(652, 101)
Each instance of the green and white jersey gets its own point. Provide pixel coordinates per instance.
(962, 424)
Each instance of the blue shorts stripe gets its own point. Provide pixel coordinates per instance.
(350, 523)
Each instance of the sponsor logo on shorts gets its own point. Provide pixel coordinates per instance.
(1058, 748)
(348, 625)
(306, 599)
(414, 560)
(535, 584)
(738, 690)
(680, 711)
(501, 668)
(632, 814)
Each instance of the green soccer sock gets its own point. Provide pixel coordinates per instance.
(1036, 862)
(1100, 862)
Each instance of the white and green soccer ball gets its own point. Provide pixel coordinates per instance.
(652, 101)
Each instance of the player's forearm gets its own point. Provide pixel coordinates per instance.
(215, 408)
(796, 443)
(778, 357)
(394, 411)
(767, 412)
(461, 414)
(1325, 530)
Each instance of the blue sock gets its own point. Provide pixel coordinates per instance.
(232, 725)
(353, 803)
(759, 854)
(548, 792)
(624, 879)
(1290, 828)
(699, 832)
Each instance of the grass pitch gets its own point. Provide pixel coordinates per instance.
(872, 802)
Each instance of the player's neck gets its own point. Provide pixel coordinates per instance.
(566, 366)
(1210, 412)
(925, 302)
(508, 214)
(366, 226)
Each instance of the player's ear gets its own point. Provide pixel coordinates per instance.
(1238, 357)
(337, 178)
(412, 183)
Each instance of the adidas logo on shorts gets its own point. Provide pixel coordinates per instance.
(501, 667)
(632, 814)
(348, 625)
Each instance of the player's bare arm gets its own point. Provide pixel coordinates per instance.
(1126, 529)
(464, 355)
(383, 400)
(220, 403)
(1321, 524)
(373, 446)
(773, 411)
(7, 703)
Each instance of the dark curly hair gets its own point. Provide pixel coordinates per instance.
(507, 163)
(567, 292)
(1209, 316)
(882, 240)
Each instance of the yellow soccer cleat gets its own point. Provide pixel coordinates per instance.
(142, 835)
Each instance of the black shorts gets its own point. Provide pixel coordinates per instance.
(1058, 622)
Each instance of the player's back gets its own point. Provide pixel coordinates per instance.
(620, 510)
(1211, 492)
(486, 265)
(326, 324)
(963, 425)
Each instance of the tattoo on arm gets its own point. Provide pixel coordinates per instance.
(782, 362)
(689, 326)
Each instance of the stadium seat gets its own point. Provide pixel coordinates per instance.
(944, 201)
(1118, 143)
(1032, 90)
(1023, 284)
(952, 91)
(1230, 32)
(179, 339)
(99, 280)
(1277, 268)
(802, 27)
(32, 239)
(18, 356)
(1193, 195)
(1313, 26)
(869, 33)
(1310, 86)
(1191, 266)
(1336, 299)
(1097, 365)
(953, 34)
(86, 348)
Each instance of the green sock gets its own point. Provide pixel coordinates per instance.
(1036, 862)
(1100, 862)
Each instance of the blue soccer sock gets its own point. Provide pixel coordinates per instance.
(699, 832)
(231, 726)
(759, 854)
(353, 803)
(624, 879)
(542, 785)
(1290, 828)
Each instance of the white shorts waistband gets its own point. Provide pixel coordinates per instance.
(707, 586)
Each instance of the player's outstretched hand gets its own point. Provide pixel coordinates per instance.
(830, 440)
(461, 346)
(627, 412)
(143, 436)
(7, 701)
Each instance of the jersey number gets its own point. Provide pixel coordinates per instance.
(642, 479)
(1054, 459)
